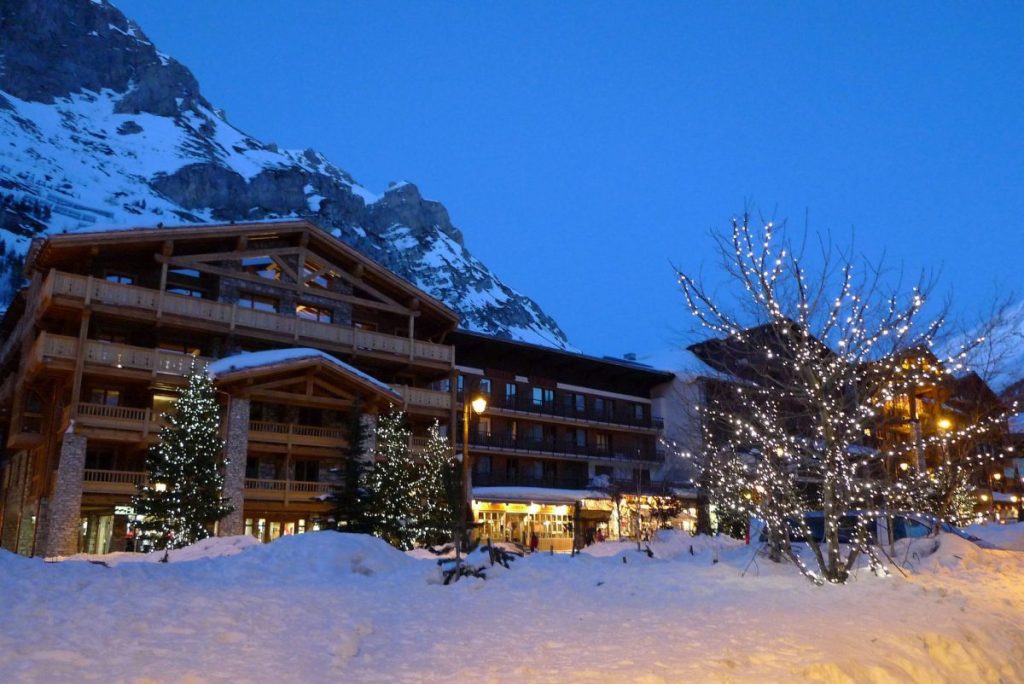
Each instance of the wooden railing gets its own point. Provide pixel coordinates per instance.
(90, 290)
(136, 422)
(133, 478)
(427, 398)
(100, 353)
(290, 433)
(283, 489)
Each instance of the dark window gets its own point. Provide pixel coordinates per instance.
(186, 292)
(510, 394)
(601, 442)
(608, 471)
(461, 387)
(99, 459)
(252, 468)
(247, 300)
(598, 406)
(581, 403)
(543, 397)
(307, 471)
(482, 465)
(485, 386)
(105, 396)
(638, 411)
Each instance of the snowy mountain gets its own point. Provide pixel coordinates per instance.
(98, 128)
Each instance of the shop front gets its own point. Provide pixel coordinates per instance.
(557, 517)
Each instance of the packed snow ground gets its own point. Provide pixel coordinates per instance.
(347, 608)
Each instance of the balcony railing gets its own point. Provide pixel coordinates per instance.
(426, 398)
(89, 290)
(562, 448)
(283, 490)
(522, 480)
(112, 481)
(295, 434)
(97, 352)
(561, 410)
(134, 422)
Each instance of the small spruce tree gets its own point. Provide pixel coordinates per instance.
(183, 498)
(439, 489)
(394, 482)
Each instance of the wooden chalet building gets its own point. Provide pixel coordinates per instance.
(555, 421)
(92, 351)
(904, 434)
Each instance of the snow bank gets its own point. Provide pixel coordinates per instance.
(1009, 536)
(213, 547)
(326, 606)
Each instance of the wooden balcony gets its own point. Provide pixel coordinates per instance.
(49, 348)
(425, 398)
(127, 482)
(118, 423)
(112, 481)
(85, 290)
(291, 434)
(284, 490)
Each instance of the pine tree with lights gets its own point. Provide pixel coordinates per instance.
(440, 488)
(810, 360)
(352, 492)
(183, 496)
(394, 481)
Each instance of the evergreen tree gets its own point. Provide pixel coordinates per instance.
(352, 493)
(394, 482)
(440, 490)
(183, 498)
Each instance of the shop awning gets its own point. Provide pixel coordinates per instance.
(540, 495)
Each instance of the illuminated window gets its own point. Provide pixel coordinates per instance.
(120, 278)
(313, 313)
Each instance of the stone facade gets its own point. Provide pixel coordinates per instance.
(64, 513)
(236, 449)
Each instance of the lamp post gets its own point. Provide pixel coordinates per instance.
(479, 405)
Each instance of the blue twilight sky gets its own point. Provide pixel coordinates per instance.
(581, 147)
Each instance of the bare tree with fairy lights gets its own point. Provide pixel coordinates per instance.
(815, 351)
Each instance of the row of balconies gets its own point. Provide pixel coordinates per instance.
(86, 290)
(127, 482)
(517, 444)
(588, 416)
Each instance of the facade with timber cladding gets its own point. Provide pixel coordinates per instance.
(94, 349)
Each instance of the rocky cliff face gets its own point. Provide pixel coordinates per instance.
(98, 128)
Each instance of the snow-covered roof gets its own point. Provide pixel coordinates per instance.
(536, 494)
(1003, 497)
(276, 357)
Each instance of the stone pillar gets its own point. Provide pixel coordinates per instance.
(236, 449)
(65, 508)
(369, 422)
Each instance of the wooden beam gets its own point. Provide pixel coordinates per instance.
(295, 287)
(76, 386)
(295, 399)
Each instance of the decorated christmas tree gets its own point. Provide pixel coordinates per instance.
(183, 498)
(439, 489)
(395, 502)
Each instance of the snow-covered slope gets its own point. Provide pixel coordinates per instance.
(98, 129)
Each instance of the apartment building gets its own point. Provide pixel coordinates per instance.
(562, 437)
(93, 350)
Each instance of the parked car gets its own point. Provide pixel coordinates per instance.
(904, 525)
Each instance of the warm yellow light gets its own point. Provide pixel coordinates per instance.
(534, 509)
(479, 405)
(160, 487)
(945, 424)
(997, 476)
(984, 497)
(904, 466)
(1014, 498)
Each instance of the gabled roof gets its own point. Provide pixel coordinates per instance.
(253, 365)
(43, 252)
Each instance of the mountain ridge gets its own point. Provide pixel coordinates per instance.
(98, 127)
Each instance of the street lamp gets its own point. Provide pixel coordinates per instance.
(479, 405)
(945, 423)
